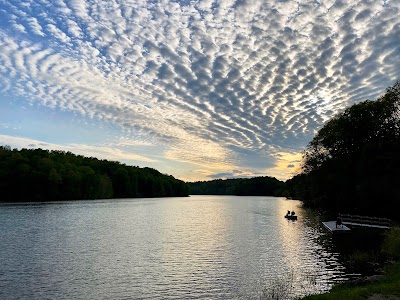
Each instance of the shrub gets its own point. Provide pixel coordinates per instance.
(391, 244)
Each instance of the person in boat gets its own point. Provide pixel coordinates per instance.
(339, 222)
(293, 213)
(288, 213)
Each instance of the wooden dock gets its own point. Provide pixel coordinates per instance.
(364, 221)
(355, 221)
(331, 226)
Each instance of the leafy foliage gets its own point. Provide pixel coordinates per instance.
(352, 163)
(258, 186)
(391, 244)
(42, 175)
(386, 287)
(347, 134)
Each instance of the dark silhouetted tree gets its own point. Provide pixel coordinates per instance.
(42, 175)
(352, 163)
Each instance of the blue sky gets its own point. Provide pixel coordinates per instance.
(196, 89)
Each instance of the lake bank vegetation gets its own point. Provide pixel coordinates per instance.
(42, 175)
(352, 164)
(383, 286)
(257, 186)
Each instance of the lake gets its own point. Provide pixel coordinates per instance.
(201, 247)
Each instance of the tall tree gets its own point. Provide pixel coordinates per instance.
(42, 175)
(352, 163)
(348, 133)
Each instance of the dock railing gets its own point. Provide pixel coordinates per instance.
(365, 220)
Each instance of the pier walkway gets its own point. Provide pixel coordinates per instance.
(364, 221)
(331, 226)
(350, 221)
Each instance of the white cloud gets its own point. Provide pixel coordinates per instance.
(74, 29)
(20, 28)
(203, 77)
(35, 26)
(57, 33)
(99, 151)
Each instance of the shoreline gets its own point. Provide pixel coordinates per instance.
(375, 287)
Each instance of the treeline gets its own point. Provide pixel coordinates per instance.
(353, 163)
(42, 175)
(258, 186)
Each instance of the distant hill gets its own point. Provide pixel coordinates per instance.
(257, 186)
(42, 175)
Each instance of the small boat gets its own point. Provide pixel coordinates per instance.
(291, 215)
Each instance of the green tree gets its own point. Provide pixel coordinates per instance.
(42, 175)
(352, 163)
(346, 134)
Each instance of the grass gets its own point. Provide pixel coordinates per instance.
(282, 287)
(389, 284)
(391, 244)
(279, 288)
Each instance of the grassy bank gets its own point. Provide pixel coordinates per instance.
(384, 260)
(387, 285)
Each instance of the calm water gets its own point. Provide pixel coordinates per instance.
(202, 247)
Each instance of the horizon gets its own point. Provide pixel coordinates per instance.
(199, 90)
(126, 165)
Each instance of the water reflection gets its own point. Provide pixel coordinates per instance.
(194, 242)
(202, 247)
(310, 264)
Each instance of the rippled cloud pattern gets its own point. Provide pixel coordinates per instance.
(226, 87)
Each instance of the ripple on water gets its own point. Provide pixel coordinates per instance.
(202, 247)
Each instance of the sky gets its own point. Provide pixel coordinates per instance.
(195, 89)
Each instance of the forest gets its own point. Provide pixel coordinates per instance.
(352, 164)
(257, 186)
(42, 175)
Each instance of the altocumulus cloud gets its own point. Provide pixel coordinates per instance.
(219, 84)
